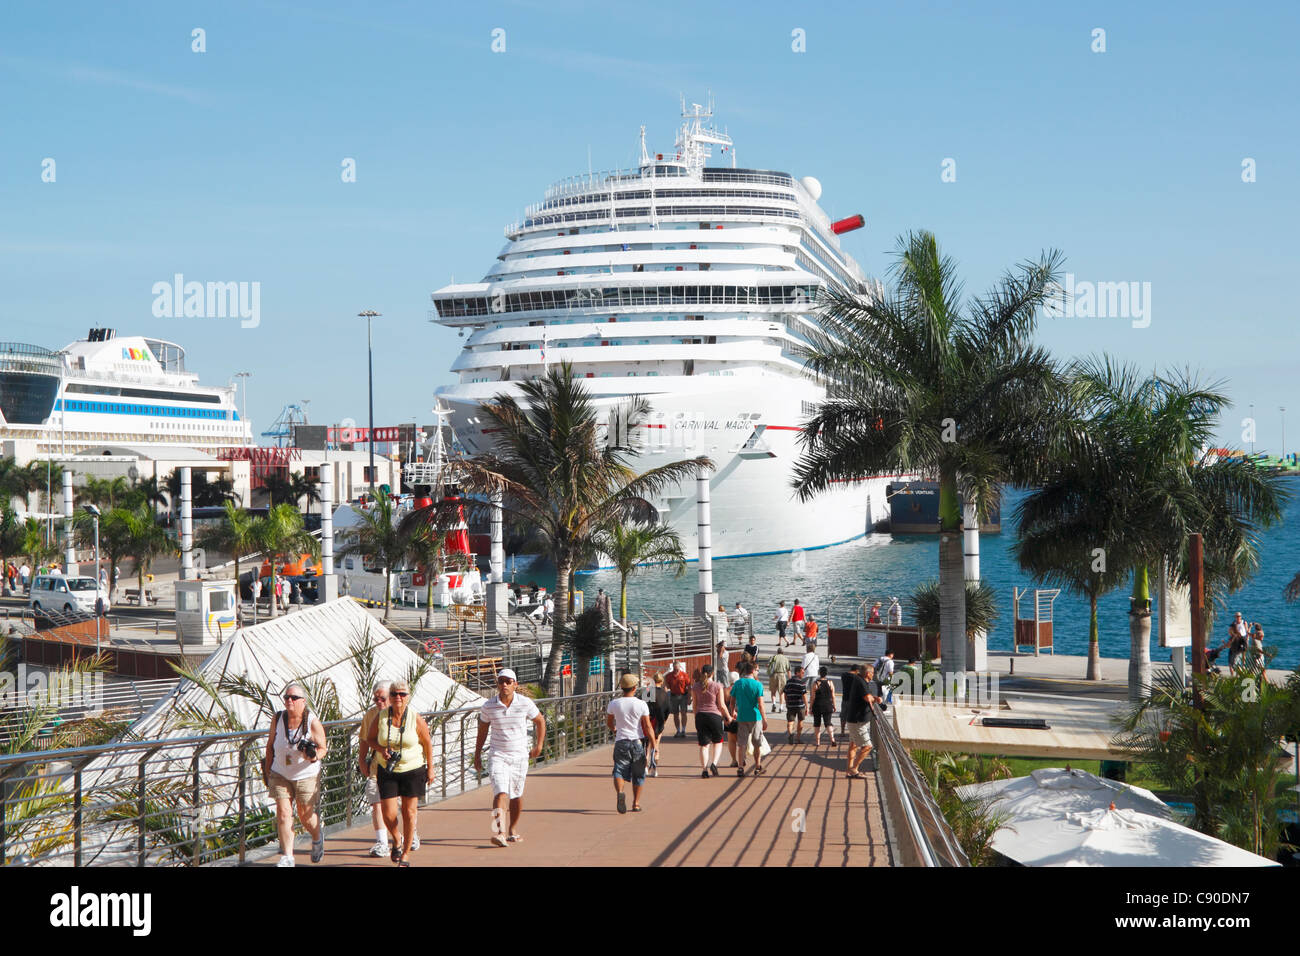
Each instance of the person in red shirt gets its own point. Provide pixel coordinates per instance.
(679, 690)
(796, 618)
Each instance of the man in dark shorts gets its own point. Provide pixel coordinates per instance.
(796, 704)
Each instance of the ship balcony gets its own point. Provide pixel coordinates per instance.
(622, 359)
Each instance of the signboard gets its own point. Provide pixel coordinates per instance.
(358, 435)
(871, 644)
(467, 612)
(1176, 617)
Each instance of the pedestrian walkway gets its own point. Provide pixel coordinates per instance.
(802, 811)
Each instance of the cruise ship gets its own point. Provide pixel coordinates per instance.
(691, 285)
(109, 389)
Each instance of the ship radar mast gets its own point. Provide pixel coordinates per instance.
(698, 134)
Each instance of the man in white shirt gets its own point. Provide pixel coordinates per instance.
(812, 665)
(740, 620)
(895, 613)
(782, 620)
(629, 718)
(507, 716)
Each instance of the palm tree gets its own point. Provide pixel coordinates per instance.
(915, 382)
(378, 536)
(1143, 477)
(145, 538)
(631, 546)
(203, 493)
(558, 477)
(15, 481)
(281, 532)
(36, 545)
(300, 486)
(425, 545)
(106, 493)
(149, 491)
(278, 488)
(13, 536)
(234, 535)
(981, 606)
(587, 637)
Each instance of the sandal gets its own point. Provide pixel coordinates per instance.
(395, 854)
(404, 863)
(856, 775)
(515, 838)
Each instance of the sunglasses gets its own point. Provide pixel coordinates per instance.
(292, 697)
(504, 680)
(400, 693)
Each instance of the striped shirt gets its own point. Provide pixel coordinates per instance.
(795, 689)
(509, 736)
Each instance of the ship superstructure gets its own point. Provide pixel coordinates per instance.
(692, 285)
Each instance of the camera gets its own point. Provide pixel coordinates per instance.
(307, 748)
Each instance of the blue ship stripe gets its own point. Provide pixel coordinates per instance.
(158, 411)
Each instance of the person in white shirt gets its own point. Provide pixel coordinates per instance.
(507, 716)
(811, 666)
(895, 613)
(782, 620)
(740, 620)
(629, 718)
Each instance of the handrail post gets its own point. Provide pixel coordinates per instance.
(443, 755)
(243, 803)
(76, 819)
(196, 800)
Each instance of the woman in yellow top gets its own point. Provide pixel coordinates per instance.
(404, 746)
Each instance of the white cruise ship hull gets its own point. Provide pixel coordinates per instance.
(751, 435)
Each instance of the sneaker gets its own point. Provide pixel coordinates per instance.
(318, 849)
(415, 843)
(379, 850)
(713, 769)
(499, 840)
(285, 861)
(654, 772)
(704, 774)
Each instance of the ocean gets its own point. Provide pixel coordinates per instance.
(831, 581)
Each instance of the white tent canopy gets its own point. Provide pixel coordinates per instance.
(1075, 818)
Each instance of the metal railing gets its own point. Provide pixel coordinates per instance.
(918, 833)
(200, 800)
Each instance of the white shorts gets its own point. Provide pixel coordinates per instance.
(372, 791)
(507, 775)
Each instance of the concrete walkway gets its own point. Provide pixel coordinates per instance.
(570, 818)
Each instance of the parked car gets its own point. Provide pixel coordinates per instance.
(67, 595)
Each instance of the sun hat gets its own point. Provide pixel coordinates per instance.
(628, 682)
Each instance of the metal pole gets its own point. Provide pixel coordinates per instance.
(187, 540)
(369, 315)
(98, 617)
(704, 535)
(69, 547)
(327, 518)
(1196, 584)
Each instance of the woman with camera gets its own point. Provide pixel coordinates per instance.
(291, 770)
(405, 747)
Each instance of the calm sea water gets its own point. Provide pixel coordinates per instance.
(882, 565)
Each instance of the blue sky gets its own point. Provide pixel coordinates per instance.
(225, 165)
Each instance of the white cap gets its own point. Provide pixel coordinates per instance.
(506, 672)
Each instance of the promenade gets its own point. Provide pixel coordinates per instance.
(570, 817)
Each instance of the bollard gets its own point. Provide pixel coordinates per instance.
(1013, 667)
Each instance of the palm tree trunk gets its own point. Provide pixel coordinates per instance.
(388, 591)
(952, 579)
(428, 599)
(552, 677)
(273, 602)
(622, 599)
(1139, 629)
(582, 674)
(1094, 640)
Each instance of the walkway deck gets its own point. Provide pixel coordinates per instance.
(570, 817)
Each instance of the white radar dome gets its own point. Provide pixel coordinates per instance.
(813, 186)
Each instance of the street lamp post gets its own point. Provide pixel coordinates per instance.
(1252, 429)
(93, 511)
(370, 315)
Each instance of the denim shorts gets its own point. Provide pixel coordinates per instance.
(629, 761)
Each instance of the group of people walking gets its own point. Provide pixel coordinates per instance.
(731, 710)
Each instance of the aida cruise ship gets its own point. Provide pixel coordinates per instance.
(691, 285)
(109, 389)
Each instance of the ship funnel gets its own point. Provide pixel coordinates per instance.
(848, 225)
